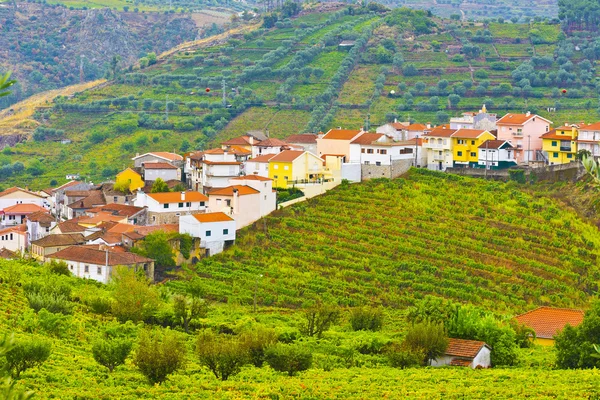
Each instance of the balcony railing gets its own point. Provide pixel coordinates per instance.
(517, 133)
(565, 148)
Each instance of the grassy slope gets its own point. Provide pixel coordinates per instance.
(323, 265)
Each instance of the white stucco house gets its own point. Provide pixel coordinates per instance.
(216, 230)
(259, 165)
(14, 238)
(166, 208)
(15, 195)
(465, 353)
(268, 196)
(158, 156)
(162, 170)
(496, 154)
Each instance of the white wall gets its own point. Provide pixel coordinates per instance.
(143, 200)
(14, 241)
(216, 241)
(355, 156)
(77, 268)
(268, 198)
(12, 199)
(351, 172)
(482, 358)
(164, 174)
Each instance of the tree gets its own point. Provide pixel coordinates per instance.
(453, 99)
(256, 342)
(428, 338)
(5, 83)
(157, 247)
(319, 319)
(25, 355)
(159, 186)
(224, 356)
(159, 354)
(289, 358)
(187, 309)
(7, 385)
(114, 64)
(111, 353)
(366, 319)
(398, 61)
(135, 299)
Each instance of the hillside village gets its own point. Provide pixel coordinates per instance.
(211, 194)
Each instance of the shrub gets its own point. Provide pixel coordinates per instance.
(99, 304)
(256, 343)
(135, 299)
(223, 355)
(185, 310)
(159, 354)
(111, 353)
(26, 355)
(399, 357)
(59, 268)
(319, 319)
(288, 358)
(55, 303)
(429, 339)
(366, 319)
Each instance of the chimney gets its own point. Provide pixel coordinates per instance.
(395, 120)
(137, 154)
(234, 206)
(528, 113)
(267, 133)
(182, 196)
(251, 140)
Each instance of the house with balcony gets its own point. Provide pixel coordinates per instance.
(269, 146)
(337, 141)
(216, 230)
(16, 195)
(496, 154)
(39, 225)
(213, 168)
(465, 146)
(17, 214)
(561, 144)
(589, 139)
(437, 144)
(292, 167)
(524, 132)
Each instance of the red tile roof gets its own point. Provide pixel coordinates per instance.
(221, 162)
(175, 197)
(464, 348)
(518, 119)
(252, 177)
(591, 127)
(240, 141)
(101, 217)
(271, 142)
(42, 217)
(416, 127)
(66, 239)
(457, 362)
(287, 156)
(16, 229)
(23, 208)
(548, 321)
(228, 191)
(213, 217)
(158, 165)
(494, 144)
(15, 189)
(94, 199)
(117, 209)
(306, 138)
(398, 125)
(93, 255)
(341, 134)
(71, 226)
(553, 135)
(440, 132)
(163, 154)
(367, 138)
(262, 158)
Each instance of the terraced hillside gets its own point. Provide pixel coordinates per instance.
(391, 242)
(295, 77)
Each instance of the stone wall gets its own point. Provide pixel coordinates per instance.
(552, 173)
(398, 168)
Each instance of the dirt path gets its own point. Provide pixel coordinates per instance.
(495, 49)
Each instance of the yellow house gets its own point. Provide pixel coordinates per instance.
(561, 144)
(465, 146)
(295, 166)
(131, 177)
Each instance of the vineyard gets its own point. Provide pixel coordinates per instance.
(386, 243)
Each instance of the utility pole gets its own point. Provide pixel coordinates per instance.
(224, 92)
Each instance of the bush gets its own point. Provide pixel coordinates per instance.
(288, 358)
(223, 355)
(366, 319)
(59, 268)
(159, 354)
(99, 305)
(256, 343)
(55, 303)
(135, 299)
(319, 319)
(427, 338)
(111, 353)
(26, 355)
(185, 310)
(399, 357)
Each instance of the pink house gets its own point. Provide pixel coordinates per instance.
(337, 142)
(524, 132)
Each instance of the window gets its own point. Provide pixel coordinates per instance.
(459, 153)
(367, 162)
(71, 267)
(228, 202)
(285, 177)
(472, 142)
(473, 154)
(286, 167)
(378, 163)
(460, 141)
(383, 151)
(208, 233)
(225, 231)
(201, 204)
(555, 154)
(568, 156)
(265, 197)
(11, 235)
(275, 166)
(48, 229)
(519, 130)
(362, 150)
(369, 151)
(188, 204)
(99, 270)
(115, 199)
(554, 143)
(180, 205)
(86, 269)
(166, 205)
(275, 177)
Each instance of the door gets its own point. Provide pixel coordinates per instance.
(440, 166)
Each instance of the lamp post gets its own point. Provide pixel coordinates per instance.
(256, 290)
